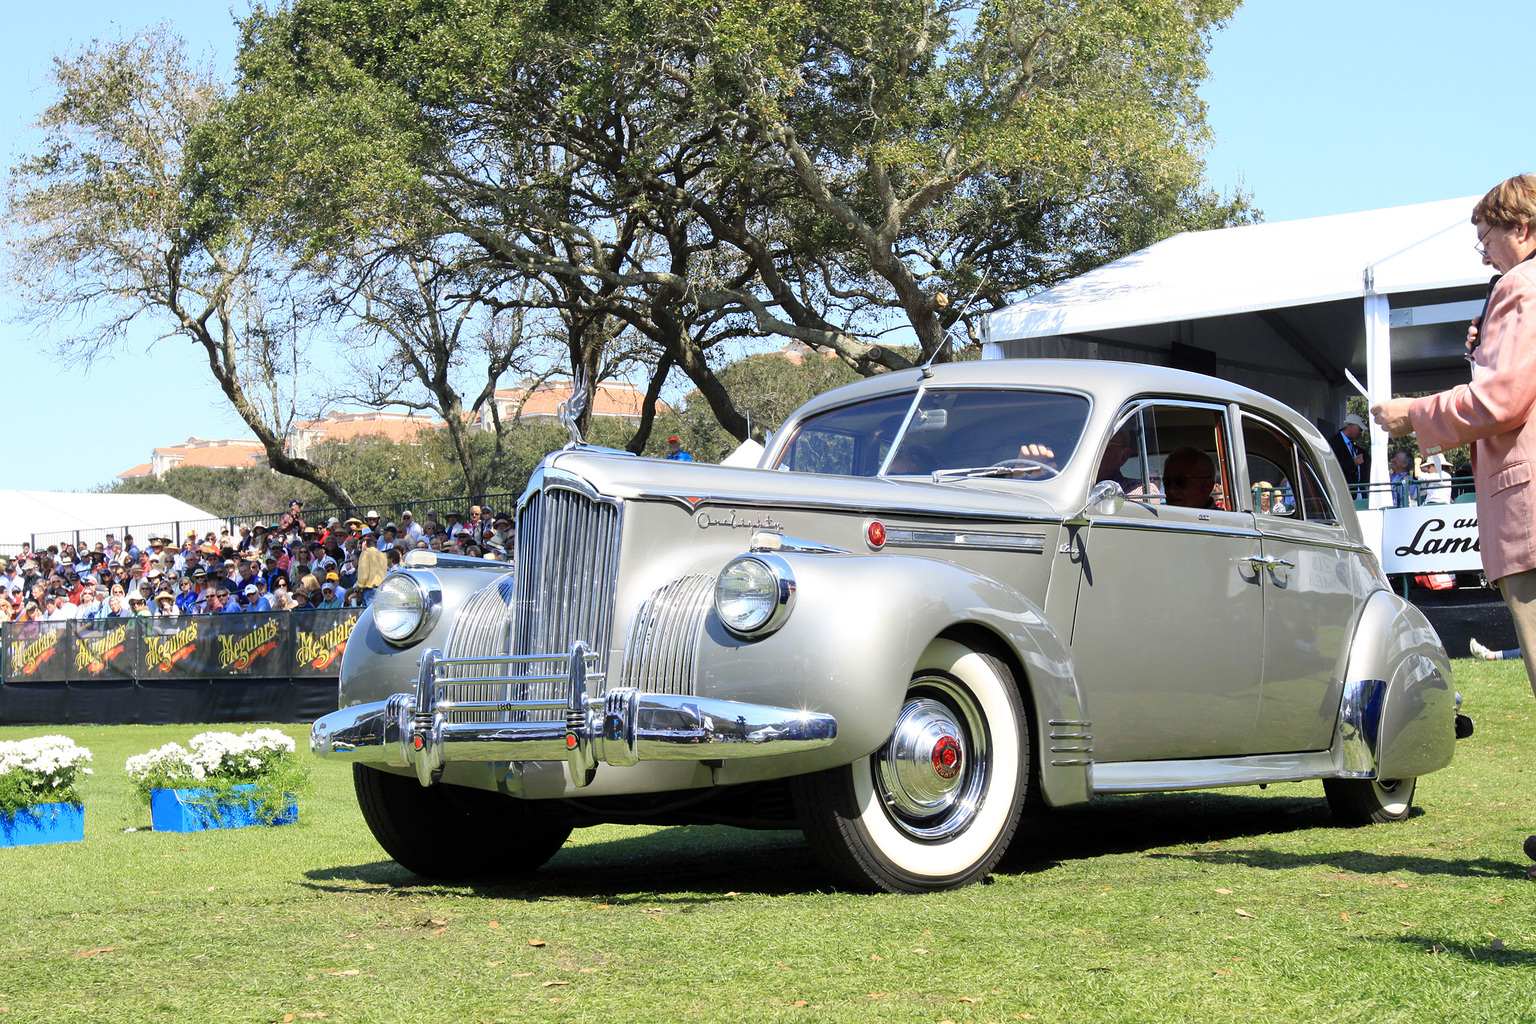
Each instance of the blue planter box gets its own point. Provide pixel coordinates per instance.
(191, 810)
(44, 823)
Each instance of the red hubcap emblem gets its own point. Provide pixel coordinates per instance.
(946, 757)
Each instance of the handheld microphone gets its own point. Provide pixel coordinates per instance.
(1471, 354)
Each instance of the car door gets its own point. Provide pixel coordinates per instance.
(1311, 593)
(1168, 630)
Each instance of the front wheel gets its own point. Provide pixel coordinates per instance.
(454, 833)
(936, 806)
(1369, 801)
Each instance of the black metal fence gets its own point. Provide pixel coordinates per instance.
(389, 512)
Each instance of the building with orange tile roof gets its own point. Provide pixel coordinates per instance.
(235, 453)
(533, 403)
(540, 403)
(341, 427)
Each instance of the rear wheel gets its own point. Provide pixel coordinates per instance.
(936, 806)
(450, 832)
(1369, 801)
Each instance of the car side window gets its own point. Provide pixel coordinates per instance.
(1283, 481)
(1314, 496)
(1271, 470)
(1181, 456)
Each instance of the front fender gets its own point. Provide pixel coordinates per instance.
(372, 669)
(1399, 718)
(859, 626)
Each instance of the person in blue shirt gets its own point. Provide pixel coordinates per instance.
(675, 451)
(255, 600)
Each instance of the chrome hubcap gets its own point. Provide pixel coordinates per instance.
(931, 772)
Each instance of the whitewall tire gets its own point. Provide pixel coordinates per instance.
(937, 805)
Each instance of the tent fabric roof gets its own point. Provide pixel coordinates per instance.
(49, 513)
(1202, 274)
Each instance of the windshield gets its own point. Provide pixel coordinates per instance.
(958, 428)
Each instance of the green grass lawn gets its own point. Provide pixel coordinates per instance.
(1238, 905)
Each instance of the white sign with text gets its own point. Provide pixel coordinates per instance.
(1430, 538)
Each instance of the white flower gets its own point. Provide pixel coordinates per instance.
(213, 755)
(44, 763)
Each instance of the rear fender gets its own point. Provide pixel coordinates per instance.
(1398, 718)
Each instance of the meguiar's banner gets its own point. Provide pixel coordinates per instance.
(319, 637)
(103, 648)
(36, 652)
(261, 645)
(169, 642)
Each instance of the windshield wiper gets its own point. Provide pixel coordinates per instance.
(942, 475)
(1016, 469)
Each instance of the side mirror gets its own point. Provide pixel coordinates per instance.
(1106, 498)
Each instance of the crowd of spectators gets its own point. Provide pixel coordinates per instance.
(289, 565)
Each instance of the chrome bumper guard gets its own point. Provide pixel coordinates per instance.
(623, 727)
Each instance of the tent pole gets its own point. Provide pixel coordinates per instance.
(1378, 383)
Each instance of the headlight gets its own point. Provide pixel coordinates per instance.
(754, 594)
(406, 606)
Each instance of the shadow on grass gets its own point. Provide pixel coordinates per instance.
(706, 862)
(1489, 953)
(700, 862)
(1130, 824)
(1358, 862)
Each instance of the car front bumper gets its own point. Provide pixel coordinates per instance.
(623, 727)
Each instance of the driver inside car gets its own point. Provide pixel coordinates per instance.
(1122, 445)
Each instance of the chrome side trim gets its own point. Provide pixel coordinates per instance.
(1074, 738)
(1359, 726)
(425, 558)
(768, 541)
(1277, 537)
(1211, 772)
(623, 727)
(833, 505)
(979, 540)
(1212, 530)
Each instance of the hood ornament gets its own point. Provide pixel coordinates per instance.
(571, 409)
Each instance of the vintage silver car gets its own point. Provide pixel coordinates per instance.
(943, 595)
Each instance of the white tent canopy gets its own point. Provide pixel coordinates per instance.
(45, 517)
(1285, 308)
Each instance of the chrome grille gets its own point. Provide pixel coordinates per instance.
(567, 564)
(663, 641)
(481, 630)
(561, 591)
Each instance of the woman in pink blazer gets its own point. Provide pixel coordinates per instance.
(1493, 412)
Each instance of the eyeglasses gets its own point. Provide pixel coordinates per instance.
(1481, 248)
(1182, 479)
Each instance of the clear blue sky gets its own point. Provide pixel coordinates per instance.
(1317, 108)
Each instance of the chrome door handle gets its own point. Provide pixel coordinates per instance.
(1269, 562)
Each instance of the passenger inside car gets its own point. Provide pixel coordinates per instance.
(1189, 478)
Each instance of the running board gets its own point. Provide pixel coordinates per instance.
(1212, 772)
